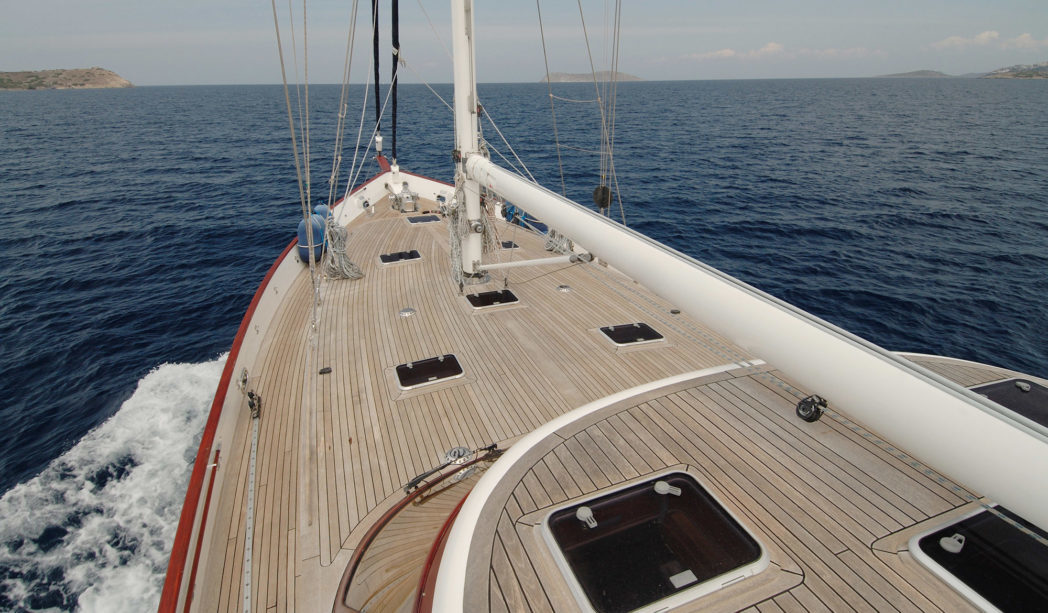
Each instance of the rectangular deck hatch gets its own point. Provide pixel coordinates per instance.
(399, 256)
(631, 334)
(1025, 397)
(429, 370)
(423, 218)
(493, 298)
(991, 557)
(663, 538)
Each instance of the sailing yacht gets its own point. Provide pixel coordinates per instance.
(436, 403)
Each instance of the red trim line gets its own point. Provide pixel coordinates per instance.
(428, 580)
(383, 163)
(180, 548)
(428, 178)
(203, 522)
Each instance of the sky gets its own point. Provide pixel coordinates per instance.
(189, 42)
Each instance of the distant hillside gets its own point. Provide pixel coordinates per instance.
(73, 78)
(586, 77)
(1020, 71)
(916, 74)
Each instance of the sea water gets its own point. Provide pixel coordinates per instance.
(137, 225)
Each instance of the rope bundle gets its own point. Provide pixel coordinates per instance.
(337, 265)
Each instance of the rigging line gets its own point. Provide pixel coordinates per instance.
(370, 142)
(375, 61)
(614, 102)
(313, 260)
(552, 105)
(435, 33)
(593, 151)
(423, 81)
(305, 64)
(491, 120)
(336, 161)
(360, 133)
(611, 87)
(504, 158)
(596, 88)
(395, 39)
(588, 101)
(290, 116)
(298, 80)
(605, 60)
(616, 46)
(618, 192)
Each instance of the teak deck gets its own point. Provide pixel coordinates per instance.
(829, 501)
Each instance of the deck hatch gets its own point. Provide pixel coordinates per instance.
(399, 256)
(510, 245)
(650, 542)
(631, 334)
(993, 558)
(1025, 397)
(429, 370)
(423, 219)
(492, 298)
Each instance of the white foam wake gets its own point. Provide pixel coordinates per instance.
(93, 531)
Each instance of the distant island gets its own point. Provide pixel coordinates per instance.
(73, 78)
(1019, 71)
(916, 74)
(586, 77)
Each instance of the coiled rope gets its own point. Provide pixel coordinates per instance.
(337, 264)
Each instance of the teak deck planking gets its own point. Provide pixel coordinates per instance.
(335, 450)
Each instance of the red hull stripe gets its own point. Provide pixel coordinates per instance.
(180, 548)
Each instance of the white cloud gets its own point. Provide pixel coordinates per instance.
(712, 55)
(957, 42)
(771, 49)
(777, 50)
(831, 53)
(768, 50)
(1025, 41)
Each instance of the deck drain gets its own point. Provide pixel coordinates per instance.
(564, 288)
(407, 312)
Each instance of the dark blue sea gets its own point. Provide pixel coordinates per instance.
(138, 223)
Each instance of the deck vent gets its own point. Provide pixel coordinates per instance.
(665, 540)
(510, 245)
(430, 370)
(493, 298)
(1025, 397)
(631, 334)
(399, 256)
(987, 554)
(423, 219)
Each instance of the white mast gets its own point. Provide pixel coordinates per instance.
(466, 141)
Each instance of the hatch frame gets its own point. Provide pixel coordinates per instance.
(686, 595)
